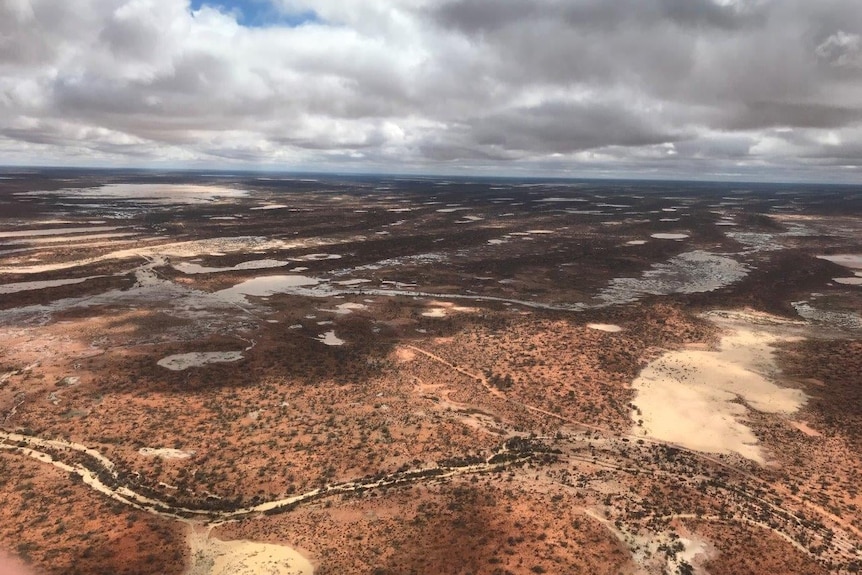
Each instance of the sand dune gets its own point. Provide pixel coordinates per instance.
(692, 397)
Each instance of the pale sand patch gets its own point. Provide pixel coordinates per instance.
(165, 452)
(440, 309)
(805, 428)
(316, 257)
(404, 354)
(329, 338)
(183, 361)
(648, 547)
(663, 236)
(555, 199)
(435, 312)
(608, 327)
(211, 556)
(345, 308)
(78, 239)
(689, 396)
(854, 281)
(852, 261)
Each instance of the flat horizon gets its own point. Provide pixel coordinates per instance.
(249, 171)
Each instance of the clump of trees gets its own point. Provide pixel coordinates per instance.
(500, 381)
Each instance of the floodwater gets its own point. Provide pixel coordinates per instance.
(36, 285)
(57, 231)
(150, 193)
(265, 286)
(691, 272)
(190, 268)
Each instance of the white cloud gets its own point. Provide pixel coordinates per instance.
(504, 86)
(842, 49)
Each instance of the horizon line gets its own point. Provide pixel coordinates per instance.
(428, 176)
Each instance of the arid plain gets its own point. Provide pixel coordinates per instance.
(237, 373)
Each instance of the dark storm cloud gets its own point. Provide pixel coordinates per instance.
(778, 114)
(473, 16)
(560, 127)
(681, 87)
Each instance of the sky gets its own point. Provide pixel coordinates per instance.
(704, 89)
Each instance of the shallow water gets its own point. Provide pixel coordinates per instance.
(37, 285)
(57, 231)
(190, 268)
(265, 286)
(690, 272)
(149, 193)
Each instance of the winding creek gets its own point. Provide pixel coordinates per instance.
(101, 475)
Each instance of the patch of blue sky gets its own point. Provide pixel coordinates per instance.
(258, 13)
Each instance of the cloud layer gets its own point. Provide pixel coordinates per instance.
(667, 88)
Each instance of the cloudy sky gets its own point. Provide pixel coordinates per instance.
(751, 89)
